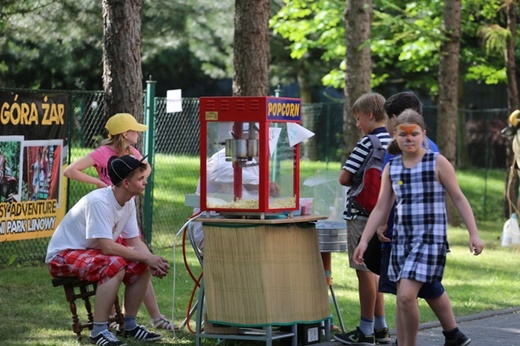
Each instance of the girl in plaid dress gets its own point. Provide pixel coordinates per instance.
(417, 180)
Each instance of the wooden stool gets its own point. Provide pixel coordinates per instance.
(87, 289)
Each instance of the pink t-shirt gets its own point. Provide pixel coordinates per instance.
(101, 155)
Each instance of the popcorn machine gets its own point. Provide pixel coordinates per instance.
(249, 161)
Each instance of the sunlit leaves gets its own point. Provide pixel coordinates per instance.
(489, 74)
(336, 77)
(318, 24)
(405, 41)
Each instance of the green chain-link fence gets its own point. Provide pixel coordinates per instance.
(176, 157)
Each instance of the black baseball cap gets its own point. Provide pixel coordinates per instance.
(120, 167)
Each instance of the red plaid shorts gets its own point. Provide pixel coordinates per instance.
(93, 266)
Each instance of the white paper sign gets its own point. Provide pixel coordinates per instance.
(174, 101)
(274, 135)
(297, 133)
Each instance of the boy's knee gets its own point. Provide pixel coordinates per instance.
(140, 276)
(119, 277)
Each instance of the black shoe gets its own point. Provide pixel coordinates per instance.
(142, 334)
(458, 339)
(356, 337)
(105, 338)
(382, 336)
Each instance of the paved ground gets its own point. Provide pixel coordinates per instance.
(491, 328)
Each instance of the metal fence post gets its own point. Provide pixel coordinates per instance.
(149, 146)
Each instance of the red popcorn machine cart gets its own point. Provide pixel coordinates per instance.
(249, 164)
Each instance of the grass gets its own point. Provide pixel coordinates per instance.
(35, 313)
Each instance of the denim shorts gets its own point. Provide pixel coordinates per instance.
(429, 290)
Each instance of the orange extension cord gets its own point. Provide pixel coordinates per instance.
(190, 272)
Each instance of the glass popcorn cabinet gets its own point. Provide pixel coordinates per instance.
(249, 157)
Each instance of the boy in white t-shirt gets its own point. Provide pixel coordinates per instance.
(84, 245)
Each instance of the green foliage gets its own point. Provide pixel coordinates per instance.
(308, 25)
(402, 40)
(405, 40)
(56, 52)
(490, 74)
(315, 26)
(189, 45)
(60, 43)
(11, 151)
(336, 77)
(196, 25)
(495, 38)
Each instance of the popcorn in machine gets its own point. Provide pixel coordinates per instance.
(249, 163)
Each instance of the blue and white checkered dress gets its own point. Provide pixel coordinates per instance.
(420, 243)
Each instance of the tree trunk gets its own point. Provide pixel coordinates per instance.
(251, 48)
(512, 87)
(122, 74)
(512, 100)
(310, 148)
(463, 160)
(358, 21)
(448, 90)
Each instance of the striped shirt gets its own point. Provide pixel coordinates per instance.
(359, 154)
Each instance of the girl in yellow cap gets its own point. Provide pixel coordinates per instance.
(123, 133)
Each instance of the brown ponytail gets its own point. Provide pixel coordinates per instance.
(393, 148)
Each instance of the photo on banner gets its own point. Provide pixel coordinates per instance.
(42, 170)
(10, 168)
(33, 149)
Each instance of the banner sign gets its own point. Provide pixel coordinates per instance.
(33, 142)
